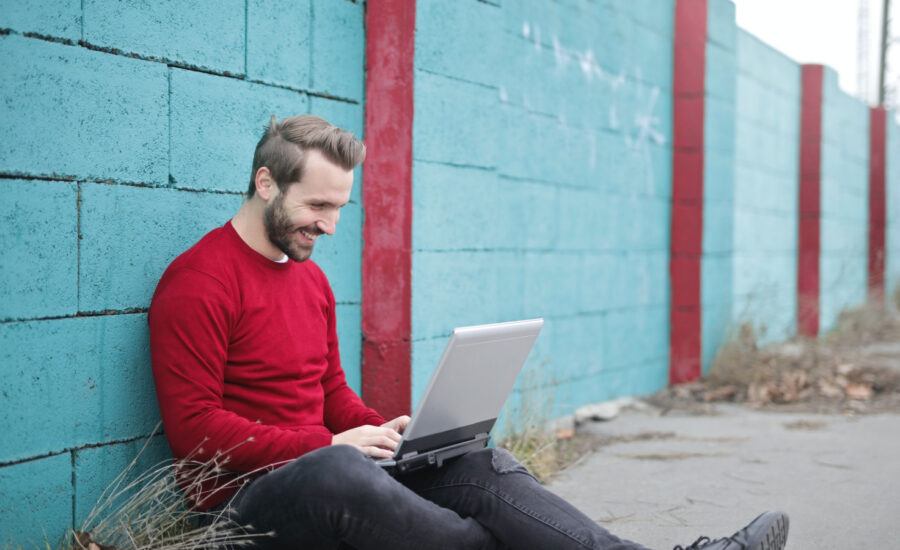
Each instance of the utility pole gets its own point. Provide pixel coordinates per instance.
(885, 27)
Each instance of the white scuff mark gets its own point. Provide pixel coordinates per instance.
(526, 29)
(617, 81)
(558, 53)
(503, 95)
(587, 63)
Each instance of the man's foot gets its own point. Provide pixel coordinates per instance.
(769, 531)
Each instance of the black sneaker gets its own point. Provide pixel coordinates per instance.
(769, 531)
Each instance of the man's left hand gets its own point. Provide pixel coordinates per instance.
(398, 424)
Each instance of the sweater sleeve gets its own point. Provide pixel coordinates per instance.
(191, 317)
(343, 408)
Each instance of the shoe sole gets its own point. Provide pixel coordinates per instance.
(775, 536)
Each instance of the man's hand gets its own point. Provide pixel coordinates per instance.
(374, 441)
(398, 424)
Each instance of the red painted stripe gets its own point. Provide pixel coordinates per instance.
(877, 213)
(686, 245)
(387, 202)
(809, 201)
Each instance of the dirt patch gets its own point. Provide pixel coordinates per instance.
(855, 369)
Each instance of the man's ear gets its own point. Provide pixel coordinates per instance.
(265, 184)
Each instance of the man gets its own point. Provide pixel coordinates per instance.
(248, 375)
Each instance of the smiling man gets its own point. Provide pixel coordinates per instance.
(248, 377)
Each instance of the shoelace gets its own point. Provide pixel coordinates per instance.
(695, 545)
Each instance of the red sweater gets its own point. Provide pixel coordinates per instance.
(245, 360)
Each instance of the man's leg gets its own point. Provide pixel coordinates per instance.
(336, 494)
(493, 488)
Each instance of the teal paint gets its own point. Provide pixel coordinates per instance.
(844, 201)
(541, 185)
(70, 382)
(126, 246)
(215, 125)
(278, 48)
(349, 317)
(96, 471)
(37, 498)
(57, 18)
(69, 123)
(767, 134)
(207, 34)
(339, 47)
(161, 153)
(716, 267)
(39, 243)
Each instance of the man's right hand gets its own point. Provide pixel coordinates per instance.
(374, 441)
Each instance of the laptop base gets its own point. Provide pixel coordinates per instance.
(437, 457)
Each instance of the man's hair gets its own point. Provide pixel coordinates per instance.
(282, 148)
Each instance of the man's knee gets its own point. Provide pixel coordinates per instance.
(494, 461)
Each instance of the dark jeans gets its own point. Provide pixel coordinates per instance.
(335, 497)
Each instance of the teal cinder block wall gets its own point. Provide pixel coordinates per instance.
(128, 134)
(844, 222)
(767, 137)
(716, 268)
(541, 185)
(892, 210)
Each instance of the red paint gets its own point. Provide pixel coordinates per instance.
(387, 203)
(877, 214)
(686, 245)
(809, 201)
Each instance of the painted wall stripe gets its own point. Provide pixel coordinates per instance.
(387, 201)
(877, 202)
(809, 201)
(687, 190)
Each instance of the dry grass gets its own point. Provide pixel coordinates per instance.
(147, 511)
(829, 373)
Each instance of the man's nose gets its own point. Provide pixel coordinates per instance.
(327, 224)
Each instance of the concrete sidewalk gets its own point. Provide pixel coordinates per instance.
(666, 480)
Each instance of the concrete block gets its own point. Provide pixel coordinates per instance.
(348, 116)
(660, 18)
(36, 510)
(721, 72)
(216, 123)
(56, 18)
(474, 52)
(71, 382)
(452, 289)
(718, 177)
(349, 319)
(41, 230)
(340, 255)
(718, 230)
(279, 42)
(338, 48)
(96, 469)
(580, 219)
(594, 274)
(577, 348)
(721, 26)
(464, 208)
(716, 276)
(445, 127)
(551, 283)
(719, 125)
(102, 116)
(652, 54)
(126, 247)
(209, 35)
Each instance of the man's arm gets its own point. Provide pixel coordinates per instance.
(190, 319)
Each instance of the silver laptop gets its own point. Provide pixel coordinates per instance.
(474, 377)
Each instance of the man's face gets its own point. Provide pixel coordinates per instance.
(309, 208)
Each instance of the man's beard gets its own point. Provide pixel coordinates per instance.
(280, 233)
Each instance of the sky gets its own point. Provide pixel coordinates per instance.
(823, 31)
